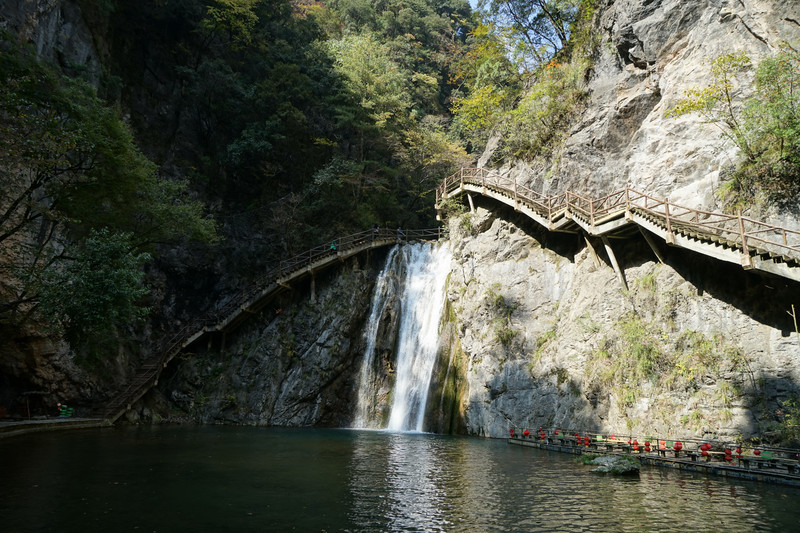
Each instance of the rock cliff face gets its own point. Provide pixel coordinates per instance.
(548, 336)
(58, 32)
(294, 364)
(651, 52)
(546, 333)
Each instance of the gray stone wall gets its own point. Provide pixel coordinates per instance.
(717, 350)
(57, 31)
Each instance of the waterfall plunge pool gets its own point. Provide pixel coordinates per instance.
(225, 478)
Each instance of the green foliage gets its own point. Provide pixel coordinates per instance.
(97, 291)
(378, 85)
(587, 458)
(636, 352)
(74, 185)
(503, 308)
(545, 338)
(772, 119)
(538, 124)
(235, 20)
(278, 95)
(766, 127)
(539, 29)
(715, 103)
(534, 124)
(648, 282)
(788, 424)
(68, 157)
(490, 84)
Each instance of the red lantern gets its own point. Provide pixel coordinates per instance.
(636, 447)
(728, 458)
(756, 452)
(727, 451)
(511, 431)
(738, 450)
(526, 432)
(677, 446)
(704, 453)
(647, 448)
(558, 431)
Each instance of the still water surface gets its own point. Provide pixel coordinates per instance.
(197, 479)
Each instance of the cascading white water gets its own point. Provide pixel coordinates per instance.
(420, 309)
(418, 334)
(384, 288)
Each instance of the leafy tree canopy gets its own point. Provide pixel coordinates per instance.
(70, 169)
(536, 30)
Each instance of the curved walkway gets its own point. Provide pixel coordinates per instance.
(235, 311)
(736, 239)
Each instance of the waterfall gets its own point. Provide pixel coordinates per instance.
(367, 389)
(423, 270)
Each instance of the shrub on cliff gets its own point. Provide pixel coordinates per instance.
(765, 127)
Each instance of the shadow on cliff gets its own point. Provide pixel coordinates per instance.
(565, 245)
(768, 395)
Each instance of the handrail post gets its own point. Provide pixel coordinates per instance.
(516, 200)
(670, 235)
(747, 261)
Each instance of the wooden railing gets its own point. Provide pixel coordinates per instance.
(747, 233)
(284, 272)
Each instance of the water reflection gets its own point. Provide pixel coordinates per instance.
(254, 479)
(406, 482)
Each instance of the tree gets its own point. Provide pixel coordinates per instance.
(488, 85)
(716, 102)
(70, 168)
(96, 291)
(765, 126)
(772, 116)
(542, 26)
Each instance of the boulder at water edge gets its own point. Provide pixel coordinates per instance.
(618, 465)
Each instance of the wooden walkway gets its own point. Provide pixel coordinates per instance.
(735, 239)
(232, 313)
(732, 238)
